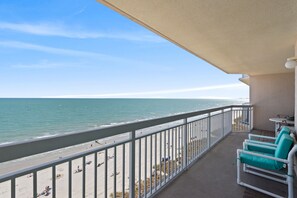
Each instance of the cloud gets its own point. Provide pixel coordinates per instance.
(53, 50)
(157, 94)
(51, 29)
(45, 64)
(78, 53)
(83, 9)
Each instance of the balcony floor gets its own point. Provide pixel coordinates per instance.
(214, 175)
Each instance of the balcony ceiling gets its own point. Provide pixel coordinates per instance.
(251, 37)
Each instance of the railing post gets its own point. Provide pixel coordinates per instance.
(252, 117)
(208, 129)
(223, 123)
(250, 121)
(132, 165)
(185, 151)
(231, 119)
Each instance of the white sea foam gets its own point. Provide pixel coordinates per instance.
(45, 136)
(4, 143)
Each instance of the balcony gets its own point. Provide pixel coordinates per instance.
(133, 160)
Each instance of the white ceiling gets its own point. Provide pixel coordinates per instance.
(238, 36)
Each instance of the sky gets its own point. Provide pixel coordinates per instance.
(82, 49)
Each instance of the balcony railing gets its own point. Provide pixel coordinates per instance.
(132, 160)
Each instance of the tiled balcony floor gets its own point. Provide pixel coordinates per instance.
(214, 175)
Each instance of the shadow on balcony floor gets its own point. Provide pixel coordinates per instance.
(214, 175)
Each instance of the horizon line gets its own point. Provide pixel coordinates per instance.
(209, 98)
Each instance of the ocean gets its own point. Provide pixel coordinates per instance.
(24, 119)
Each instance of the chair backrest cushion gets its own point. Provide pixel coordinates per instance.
(283, 148)
(285, 130)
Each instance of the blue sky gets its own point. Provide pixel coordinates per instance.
(80, 48)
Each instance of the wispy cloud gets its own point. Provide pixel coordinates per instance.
(83, 9)
(50, 29)
(53, 50)
(150, 94)
(91, 56)
(45, 64)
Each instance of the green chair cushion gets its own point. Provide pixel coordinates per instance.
(260, 143)
(283, 148)
(259, 162)
(270, 150)
(285, 130)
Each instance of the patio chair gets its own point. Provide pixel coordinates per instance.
(270, 166)
(268, 147)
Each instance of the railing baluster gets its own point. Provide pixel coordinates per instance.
(139, 169)
(175, 149)
(145, 166)
(198, 132)
(209, 131)
(155, 169)
(180, 152)
(12, 187)
(95, 174)
(105, 173)
(223, 123)
(231, 118)
(84, 177)
(195, 140)
(237, 128)
(172, 146)
(164, 157)
(70, 179)
(250, 119)
(54, 181)
(168, 157)
(35, 193)
(199, 138)
(115, 171)
(123, 170)
(151, 163)
(132, 165)
(185, 146)
(191, 140)
(160, 156)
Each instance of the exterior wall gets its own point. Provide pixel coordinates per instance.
(295, 159)
(296, 91)
(271, 95)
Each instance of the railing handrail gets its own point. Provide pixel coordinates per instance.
(27, 148)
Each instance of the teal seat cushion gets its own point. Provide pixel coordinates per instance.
(262, 143)
(285, 130)
(269, 150)
(283, 148)
(259, 162)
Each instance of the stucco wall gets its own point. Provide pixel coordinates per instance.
(271, 95)
(296, 91)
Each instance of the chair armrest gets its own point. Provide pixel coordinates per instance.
(261, 136)
(260, 143)
(262, 155)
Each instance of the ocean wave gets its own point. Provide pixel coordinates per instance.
(45, 136)
(4, 143)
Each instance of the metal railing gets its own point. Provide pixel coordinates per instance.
(131, 160)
